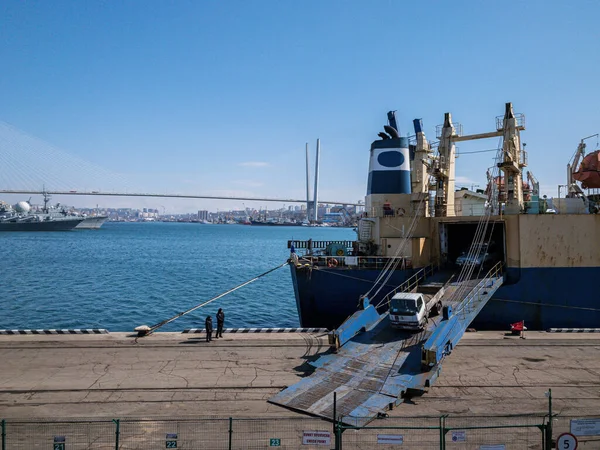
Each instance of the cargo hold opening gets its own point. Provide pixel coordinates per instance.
(456, 238)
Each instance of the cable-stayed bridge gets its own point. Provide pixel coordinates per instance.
(138, 194)
(29, 165)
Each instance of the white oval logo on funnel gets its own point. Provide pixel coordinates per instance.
(389, 159)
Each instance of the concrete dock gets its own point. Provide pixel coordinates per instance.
(180, 375)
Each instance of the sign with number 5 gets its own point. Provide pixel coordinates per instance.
(566, 441)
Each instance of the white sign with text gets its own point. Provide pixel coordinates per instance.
(585, 427)
(390, 439)
(316, 438)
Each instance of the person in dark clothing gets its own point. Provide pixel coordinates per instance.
(209, 328)
(220, 322)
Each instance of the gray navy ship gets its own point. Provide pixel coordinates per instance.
(20, 218)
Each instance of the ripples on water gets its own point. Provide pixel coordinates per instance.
(128, 274)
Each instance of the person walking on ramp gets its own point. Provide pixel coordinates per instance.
(209, 328)
(220, 322)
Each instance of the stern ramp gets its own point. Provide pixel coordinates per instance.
(376, 366)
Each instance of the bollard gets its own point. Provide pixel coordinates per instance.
(3, 434)
(117, 432)
(230, 432)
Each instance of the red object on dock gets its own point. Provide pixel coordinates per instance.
(518, 326)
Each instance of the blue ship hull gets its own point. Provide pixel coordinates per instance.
(542, 297)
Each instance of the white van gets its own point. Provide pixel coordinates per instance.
(411, 311)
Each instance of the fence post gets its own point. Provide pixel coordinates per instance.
(230, 432)
(117, 432)
(3, 434)
(335, 437)
(338, 436)
(442, 432)
(549, 429)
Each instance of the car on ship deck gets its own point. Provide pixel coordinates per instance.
(485, 254)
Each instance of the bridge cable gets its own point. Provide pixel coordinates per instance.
(181, 314)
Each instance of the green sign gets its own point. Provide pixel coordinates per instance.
(171, 441)
(274, 442)
(59, 443)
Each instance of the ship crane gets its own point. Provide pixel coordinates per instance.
(534, 200)
(442, 167)
(573, 169)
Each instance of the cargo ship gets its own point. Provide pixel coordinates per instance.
(416, 223)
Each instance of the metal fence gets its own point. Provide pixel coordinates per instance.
(423, 433)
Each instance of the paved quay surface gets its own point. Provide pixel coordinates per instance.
(179, 375)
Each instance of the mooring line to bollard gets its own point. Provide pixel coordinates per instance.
(144, 331)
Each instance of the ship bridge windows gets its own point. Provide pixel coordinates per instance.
(456, 240)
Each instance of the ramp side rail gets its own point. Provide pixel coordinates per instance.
(451, 329)
(470, 302)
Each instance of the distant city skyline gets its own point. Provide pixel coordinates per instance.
(221, 97)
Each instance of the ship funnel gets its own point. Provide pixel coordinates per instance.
(391, 131)
(391, 115)
(389, 165)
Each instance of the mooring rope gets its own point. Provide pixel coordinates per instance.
(164, 322)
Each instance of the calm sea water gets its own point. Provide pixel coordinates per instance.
(129, 274)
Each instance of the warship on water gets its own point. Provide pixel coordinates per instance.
(20, 218)
(57, 211)
(416, 222)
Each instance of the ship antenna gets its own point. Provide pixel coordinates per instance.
(46, 199)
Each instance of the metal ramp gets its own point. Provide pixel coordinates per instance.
(375, 369)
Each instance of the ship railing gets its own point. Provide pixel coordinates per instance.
(354, 262)
(520, 122)
(411, 283)
(458, 130)
(523, 161)
(311, 245)
(473, 298)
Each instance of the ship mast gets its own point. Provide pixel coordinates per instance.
(514, 159)
(46, 200)
(444, 168)
(421, 166)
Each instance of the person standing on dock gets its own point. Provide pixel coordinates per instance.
(220, 322)
(209, 328)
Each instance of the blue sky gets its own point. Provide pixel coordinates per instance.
(221, 96)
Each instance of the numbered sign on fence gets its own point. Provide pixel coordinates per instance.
(171, 440)
(274, 442)
(566, 441)
(59, 443)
